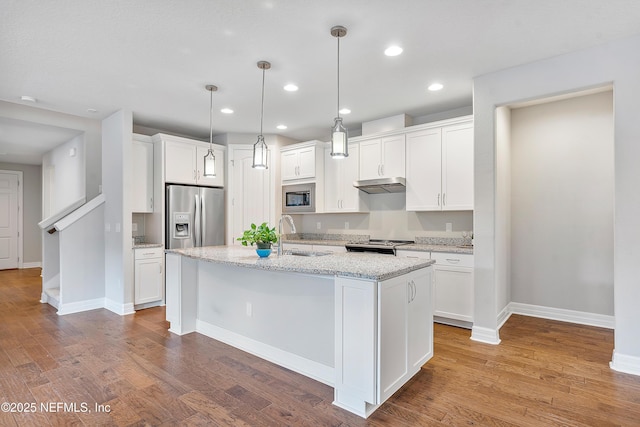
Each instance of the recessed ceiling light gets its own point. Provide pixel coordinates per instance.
(393, 51)
(435, 87)
(282, 127)
(226, 111)
(92, 110)
(28, 98)
(291, 87)
(345, 111)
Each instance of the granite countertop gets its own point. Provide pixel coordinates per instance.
(147, 245)
(422, 244)
(421, 247)
(350, 264)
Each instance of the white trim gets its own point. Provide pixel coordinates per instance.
(503, 316)
(485, 335)
(625, 363)
(117, 308)
(77, 307)
(563, 315)
(37, 264)
(309, 368)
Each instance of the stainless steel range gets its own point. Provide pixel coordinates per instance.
(378, 246)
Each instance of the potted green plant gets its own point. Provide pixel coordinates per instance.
(262, 236)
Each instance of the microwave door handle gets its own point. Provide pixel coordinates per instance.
(196, 222)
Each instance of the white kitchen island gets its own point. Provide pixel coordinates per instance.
(362, 323)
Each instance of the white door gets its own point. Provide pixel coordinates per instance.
(8, 221)
(250, 193)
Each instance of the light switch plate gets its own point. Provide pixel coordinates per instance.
(449, 226)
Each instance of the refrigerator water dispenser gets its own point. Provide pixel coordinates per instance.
(181, 225)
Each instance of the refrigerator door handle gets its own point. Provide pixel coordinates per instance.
(203, 218)
(197, 235)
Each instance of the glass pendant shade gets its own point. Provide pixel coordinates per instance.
(210, 164)
(260, 147)
(210, 158)
(339, 145)
(260, 154)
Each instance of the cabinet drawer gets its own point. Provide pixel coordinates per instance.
(452, 259)
(403, 253)
(146, 253)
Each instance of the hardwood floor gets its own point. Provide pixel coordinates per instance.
(544, 373)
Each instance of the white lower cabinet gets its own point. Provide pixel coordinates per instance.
(375, 363)
(453, 286)
(148, 269)
(405, 330)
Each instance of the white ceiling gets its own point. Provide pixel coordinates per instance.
(154, 57)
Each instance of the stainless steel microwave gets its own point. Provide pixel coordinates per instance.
(299, 198)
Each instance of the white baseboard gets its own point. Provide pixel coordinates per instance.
(31, 265)
(118, 308)
(77, 307)
(485, 335)
(306, 367)
(563, 315)
(625, 363)
(503, 316)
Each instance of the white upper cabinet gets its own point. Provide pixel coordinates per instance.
(440, 168)
(457, 167)
(184, 162)
(382, 157)
(339, 193)
(142, 179)
(298, 163)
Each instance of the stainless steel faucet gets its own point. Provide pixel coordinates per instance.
(293, 231)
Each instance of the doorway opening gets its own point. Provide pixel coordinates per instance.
(556, 198)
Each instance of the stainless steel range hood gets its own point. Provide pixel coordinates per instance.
(381, 185)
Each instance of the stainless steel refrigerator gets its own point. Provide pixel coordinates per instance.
(194, 216)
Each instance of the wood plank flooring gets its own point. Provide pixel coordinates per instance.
(130, 371)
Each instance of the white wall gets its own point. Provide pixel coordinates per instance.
(63, 177)
(92, 137)
(617, 63)
(117, 135)
(562, 204)
(503, 212)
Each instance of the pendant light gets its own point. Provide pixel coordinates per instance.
(260, 147)
(210, 158)
(339, 145)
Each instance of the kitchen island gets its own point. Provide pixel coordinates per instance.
(362, 323)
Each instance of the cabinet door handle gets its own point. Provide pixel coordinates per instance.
(194, 174)
(444, 199)
(151, 202)
(438, 199)
(381, 170)
(453, 260)
(160, 268)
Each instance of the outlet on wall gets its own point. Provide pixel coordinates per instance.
(449, 226)
(134, 226)
(346, 225)
(318, 225)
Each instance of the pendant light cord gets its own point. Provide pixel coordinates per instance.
(211, 120)
(262, 104)
(338, 72)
